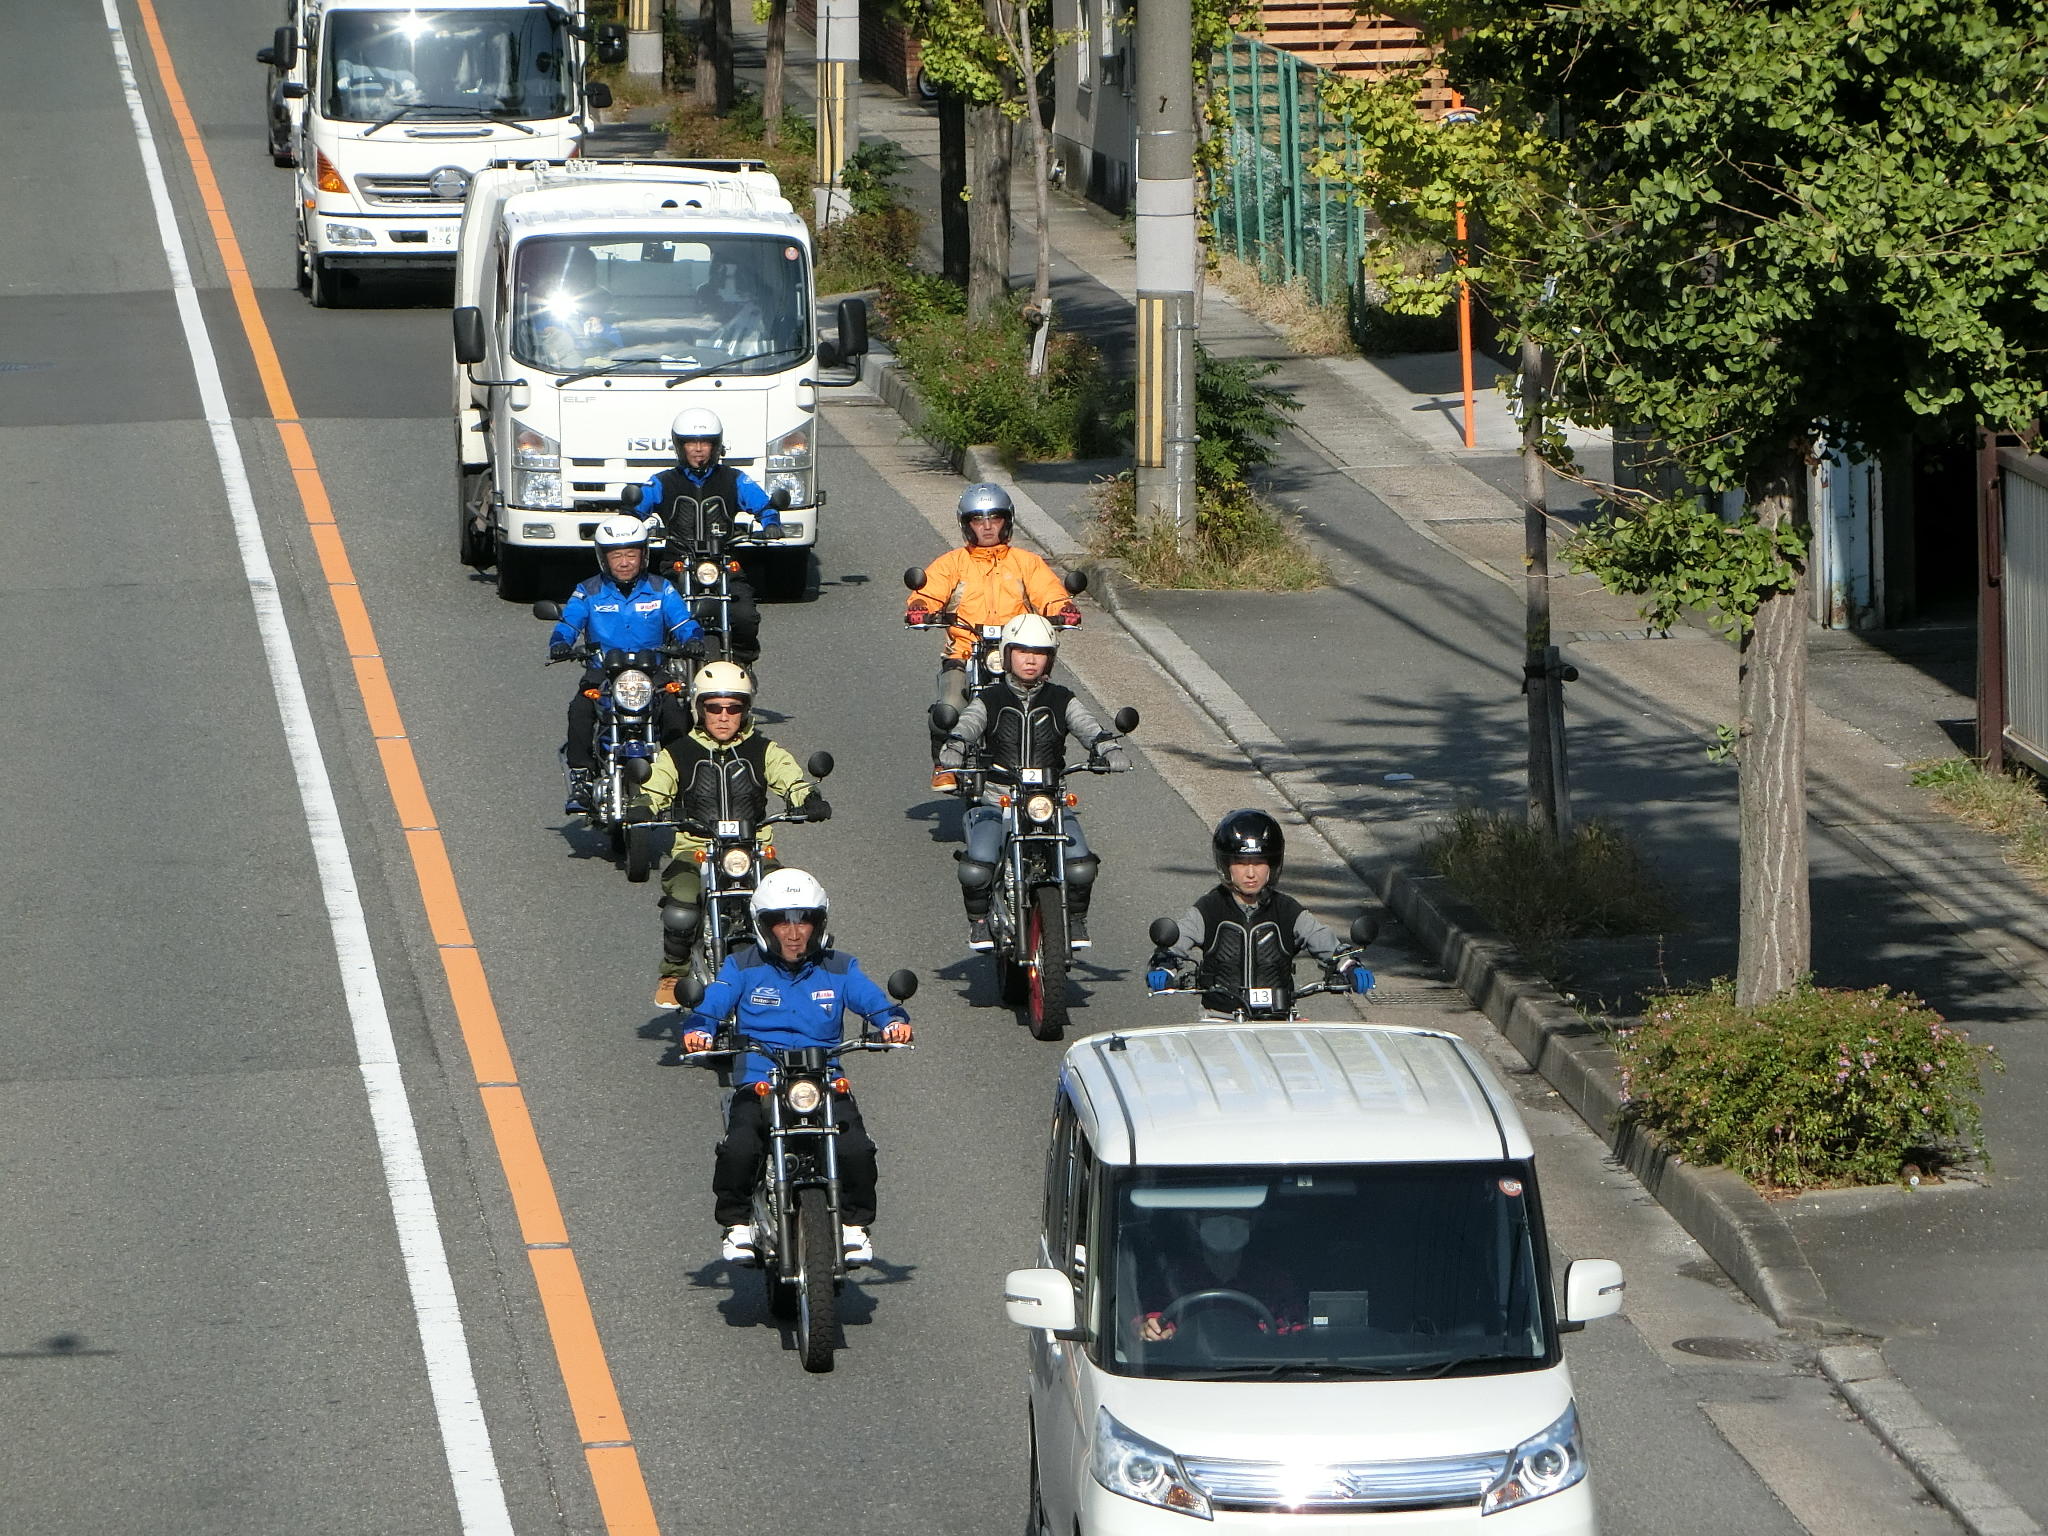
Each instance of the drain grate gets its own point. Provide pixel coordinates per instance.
(1441, 996)
(1755, 1351)
(24, 367)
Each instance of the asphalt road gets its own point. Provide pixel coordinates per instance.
(205, 1322)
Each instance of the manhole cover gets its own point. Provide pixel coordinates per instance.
(1757, 1351)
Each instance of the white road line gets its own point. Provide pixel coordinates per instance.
(479, 1497)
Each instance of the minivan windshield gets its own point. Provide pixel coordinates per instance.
(505, 64)
(620, 304)
(1394, 1271)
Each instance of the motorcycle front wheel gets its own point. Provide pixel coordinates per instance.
(817, 1312)
(1046, 943)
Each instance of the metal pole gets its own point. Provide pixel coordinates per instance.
(838, 57)
(643, 39)
(1168, 246)
(1991, 699)
(1540, 681)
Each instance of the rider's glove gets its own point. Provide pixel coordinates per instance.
(952, 753)
(1114, 757)
(561, 650)
(914, 615)
(816, 807)
(1067, 617)
(1158, 981)
(1361, 978)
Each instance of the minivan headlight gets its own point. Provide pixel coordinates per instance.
(1126, 1463)
(1540, 1466)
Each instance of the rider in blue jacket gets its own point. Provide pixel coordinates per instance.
(625, 608)
(791, 990)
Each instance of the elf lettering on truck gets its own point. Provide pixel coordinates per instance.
(399, 106)
(594, 301)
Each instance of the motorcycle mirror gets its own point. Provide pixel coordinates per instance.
(544, 609)
(638, 770)
(779, 499)
(1076, 582)
(1126, 721)
(629, 498)
(914, 577)
(903, 985)
(945, 716)
(1364, 929)
(820, 765)
(1165, 932)
(689, 991)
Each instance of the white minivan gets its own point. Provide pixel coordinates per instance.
(1295, 1277)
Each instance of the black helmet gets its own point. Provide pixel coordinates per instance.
(1245, 835)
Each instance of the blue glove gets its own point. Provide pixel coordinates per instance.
(1361, 979)
(1158, 981)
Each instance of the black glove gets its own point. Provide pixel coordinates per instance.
(561, 650)
(816, 808)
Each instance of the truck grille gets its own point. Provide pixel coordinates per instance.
(400, 191)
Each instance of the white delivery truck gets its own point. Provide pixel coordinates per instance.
(594, 301)
(398, 106)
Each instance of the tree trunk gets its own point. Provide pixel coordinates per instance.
(713, 91)
(953, 237)
(771, 83)
(1041, 183)
(1775, 947)
(721, 20)
(988, 270)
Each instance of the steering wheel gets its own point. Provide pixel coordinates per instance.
(1171, 1312)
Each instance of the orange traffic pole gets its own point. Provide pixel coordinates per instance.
(1465, 337)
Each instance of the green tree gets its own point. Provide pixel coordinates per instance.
(1754, 230)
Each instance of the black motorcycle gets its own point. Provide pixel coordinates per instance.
(1027, 912)
(1264, 1005)
(702, 572)
(796, 1202)
(634, 687)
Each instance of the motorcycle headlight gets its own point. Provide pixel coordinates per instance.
(1127, 1463)
(534, 450)
(1039, 808)
(707, 573)
(804, 1096)
(633, 690)
(1540, 1466)
(736, 861)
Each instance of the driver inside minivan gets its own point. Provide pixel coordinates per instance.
(1205, 1265)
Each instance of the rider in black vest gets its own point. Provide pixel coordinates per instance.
(705, 503)
(1248, 933)
(1022, 722)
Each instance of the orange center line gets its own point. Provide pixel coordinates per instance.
(608, 1451)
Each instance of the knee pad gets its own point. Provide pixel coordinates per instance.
(975, 875)
(679, 925)
(1081, 870)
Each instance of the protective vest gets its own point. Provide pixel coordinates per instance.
(725, 783)
(1240, 951)
(1026, 733)
(700, 516)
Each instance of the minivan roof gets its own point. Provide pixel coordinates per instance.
(1219, 1094)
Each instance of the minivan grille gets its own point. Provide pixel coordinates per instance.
(1436, 1483)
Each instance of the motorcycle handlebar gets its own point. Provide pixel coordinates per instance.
(743, 1045)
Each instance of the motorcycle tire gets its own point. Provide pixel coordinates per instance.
(640, 856)
(621, 841)
(817, 1316)
(1013, 982)
(1046, 928)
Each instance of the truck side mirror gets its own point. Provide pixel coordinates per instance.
(853, 330)
(292, 90)
(550, 611)
(828, 355)
(629, 498)
(1364, 929)
(914, 577)
(902, 985)
(468, 321)
(597, 94)
(820, 765)
(1126, 721)
(284, 48)
(945, 716)
(266, 55)
(610, 46)
(1076, 582)
(1164, 933)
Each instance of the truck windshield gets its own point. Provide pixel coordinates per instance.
(740, 303)
(1322, 1273)
(511, 63)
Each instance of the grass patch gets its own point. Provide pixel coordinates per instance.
(1814, 1088)
(1240, 544)
(695, 134)
(1311, 328)
(1542, 892)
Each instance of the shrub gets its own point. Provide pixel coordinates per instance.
(1815, 1087)
(1238, 420)
(870, 173)
(867, 250)
(973, 382)
(1239, 544)
(694, 134)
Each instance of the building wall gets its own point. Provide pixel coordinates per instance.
(1094, 126)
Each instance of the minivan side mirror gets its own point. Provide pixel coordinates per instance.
(468, 321)
(1592, 1289)
(1040, 1298)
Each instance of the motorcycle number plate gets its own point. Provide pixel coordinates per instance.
(991, 631)
(728, 829)
(1031, 776)
(1259, 997)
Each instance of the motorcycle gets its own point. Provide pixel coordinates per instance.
(730, 865)
(985, 661)
(1265, 1005)
(1027, 912)
(796, 1201)
(702, 574)
(628, 725)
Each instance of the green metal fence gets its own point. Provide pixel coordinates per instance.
(1268, 210)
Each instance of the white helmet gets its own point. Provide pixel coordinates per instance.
(1030, 632)
(698, 424)
(721, 680)
(785, 893)
(620, 531)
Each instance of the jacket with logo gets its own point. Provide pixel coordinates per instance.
(648, 614)
(790, 1005)
(988, 586)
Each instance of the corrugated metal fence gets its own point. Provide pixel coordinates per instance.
(2025, 584)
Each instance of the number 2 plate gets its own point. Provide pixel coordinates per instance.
(1031, 776)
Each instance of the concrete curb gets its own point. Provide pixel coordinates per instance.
(1736, 1226)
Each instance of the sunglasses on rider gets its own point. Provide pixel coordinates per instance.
(722, 707)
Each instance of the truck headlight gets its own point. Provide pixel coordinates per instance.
(536, 488)
(633, 691)
(790, 466)
(1540, 1466)
(534, 450)
(1127, 1463)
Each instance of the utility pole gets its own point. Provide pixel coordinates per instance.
(643, 39)
(1544, 673)
(1167, 250)
(838, 105)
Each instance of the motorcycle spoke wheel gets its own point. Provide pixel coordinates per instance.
(1048, 973)
(817, 1314)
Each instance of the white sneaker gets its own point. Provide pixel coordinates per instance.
(739, 1245)
(860, 1248)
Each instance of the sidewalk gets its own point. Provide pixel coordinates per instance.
(1394, 691)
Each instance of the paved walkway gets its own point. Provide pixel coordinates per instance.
(1397, 685)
